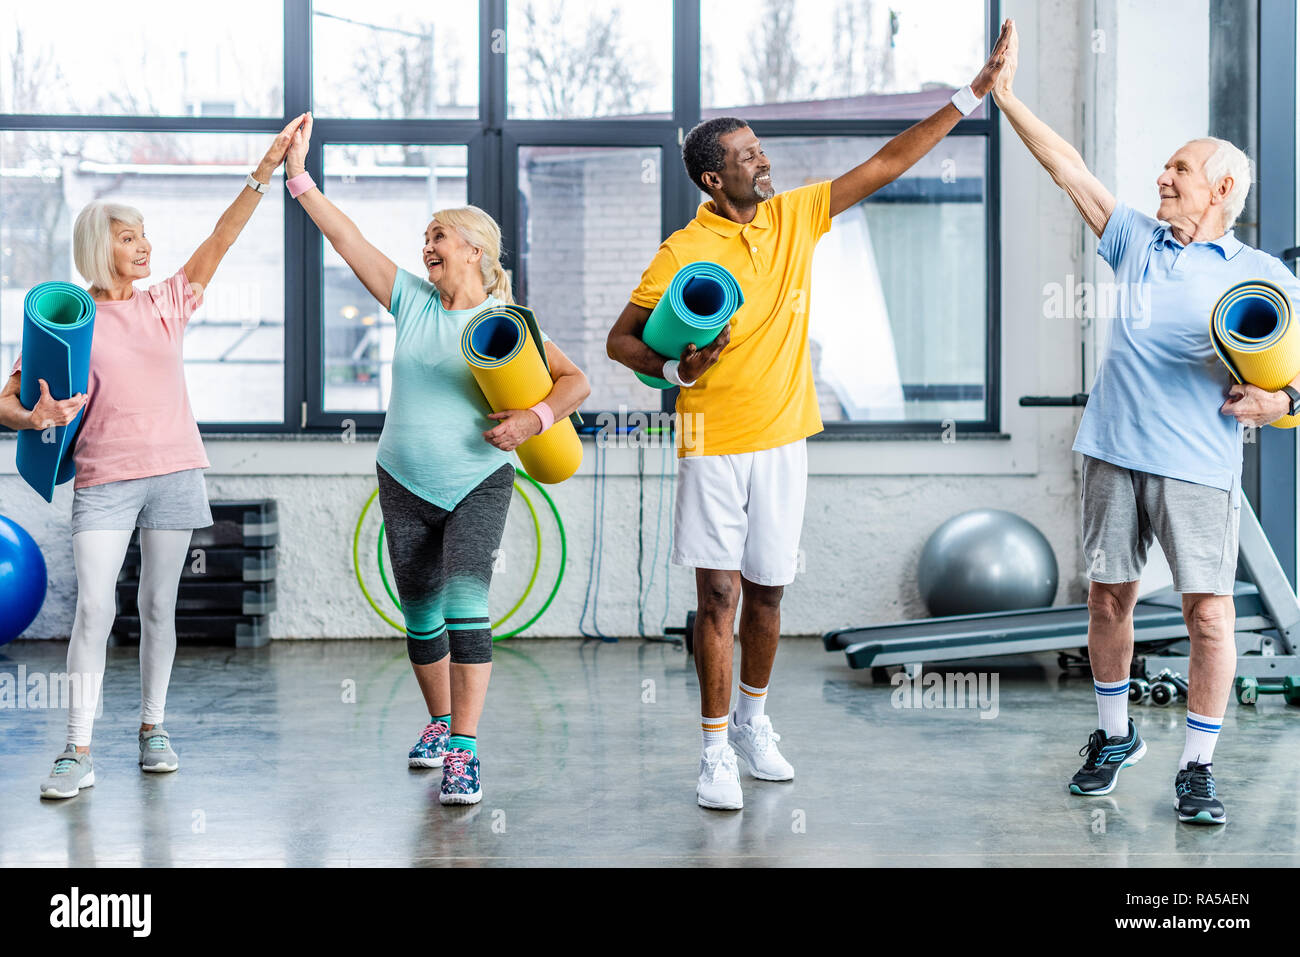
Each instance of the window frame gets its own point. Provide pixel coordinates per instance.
(493, 141)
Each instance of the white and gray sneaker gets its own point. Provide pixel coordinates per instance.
(156, 752)
(719, 784)
(72, 771)
(755, 742)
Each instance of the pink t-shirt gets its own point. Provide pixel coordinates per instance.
(138, 421)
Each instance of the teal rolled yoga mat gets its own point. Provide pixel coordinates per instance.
(58, 323)
(699, 301)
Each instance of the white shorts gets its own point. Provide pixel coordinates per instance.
(742, 512)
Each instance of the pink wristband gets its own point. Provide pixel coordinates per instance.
(545, 414)
(300, 184)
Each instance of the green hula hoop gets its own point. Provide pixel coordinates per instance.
(356, 564)
(532, 580)
(564, 555)
(555, 588)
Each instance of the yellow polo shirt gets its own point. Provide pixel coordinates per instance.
(759, 394)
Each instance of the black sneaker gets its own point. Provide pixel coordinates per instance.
(1104, 758)
(1196, 803)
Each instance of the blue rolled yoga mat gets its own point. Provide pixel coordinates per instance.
(699, 301)
(58, 323)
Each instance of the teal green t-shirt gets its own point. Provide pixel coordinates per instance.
(432, 441)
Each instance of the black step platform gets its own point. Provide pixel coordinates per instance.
(207, 598)
(240, 631)
(252, 523)
(217, 563)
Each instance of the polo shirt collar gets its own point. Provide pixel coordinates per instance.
(1228, 243)
(728, 228)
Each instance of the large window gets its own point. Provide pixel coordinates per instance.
(591, 218)
(180, 183)
(390, 192)
(146, 58)
(896, 314)
(569, 59)
(563, 119)
(848, 59)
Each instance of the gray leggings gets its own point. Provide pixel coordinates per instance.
(442, 563)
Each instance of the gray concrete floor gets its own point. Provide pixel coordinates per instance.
(590, 756)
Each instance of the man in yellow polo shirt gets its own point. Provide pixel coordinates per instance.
(749, 403)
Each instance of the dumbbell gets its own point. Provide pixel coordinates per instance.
(1166, 687)
(1248, 689)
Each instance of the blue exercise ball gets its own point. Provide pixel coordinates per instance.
(22, 580)
(986, 560)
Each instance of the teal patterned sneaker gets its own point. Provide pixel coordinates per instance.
(1197, 801)
(156, 752)
(1104, 759)
(460, 784)
(72, 772)
(432, 745)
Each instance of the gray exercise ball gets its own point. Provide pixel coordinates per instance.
(986, 560)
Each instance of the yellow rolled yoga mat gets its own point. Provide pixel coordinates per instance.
(504, 350)
(1253, 329)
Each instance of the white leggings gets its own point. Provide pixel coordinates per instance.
(98, 557)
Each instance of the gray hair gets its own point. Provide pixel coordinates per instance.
(1228, 160)
(92, 240)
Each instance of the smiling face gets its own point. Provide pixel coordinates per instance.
(131, 251)
(447, 256)
(746, 175)
(1186, 194)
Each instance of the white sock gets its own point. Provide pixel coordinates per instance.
(1112, 707)
(712, 731)
(750, 704)
(1202, 733)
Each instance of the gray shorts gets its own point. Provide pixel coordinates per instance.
(176, 500)
(1123, 510)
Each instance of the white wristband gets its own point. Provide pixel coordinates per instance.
(965, 100)
(670, 373)
(253, 184)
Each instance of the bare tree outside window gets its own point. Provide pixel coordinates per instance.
(395, 71)
(775, 70)
(559, 78)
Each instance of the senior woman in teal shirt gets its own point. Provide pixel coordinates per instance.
(444, 481)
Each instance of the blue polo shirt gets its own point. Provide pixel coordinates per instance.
(432, 442)
(1154, 406)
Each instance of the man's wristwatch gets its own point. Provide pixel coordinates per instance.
(1295, 399)
(255, 185)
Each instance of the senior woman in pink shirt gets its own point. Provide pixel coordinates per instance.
(138, 455)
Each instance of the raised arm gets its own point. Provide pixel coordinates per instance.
(1062, 161)
(375, 270)
(902, 152)
(203, 264)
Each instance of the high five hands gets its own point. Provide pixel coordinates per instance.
(997, 60)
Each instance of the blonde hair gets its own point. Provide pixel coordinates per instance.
(482, 232)
(92, 240)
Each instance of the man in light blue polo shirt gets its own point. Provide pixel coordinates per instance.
(1161, 435)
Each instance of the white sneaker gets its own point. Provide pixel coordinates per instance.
(719, 784)
(755, 742)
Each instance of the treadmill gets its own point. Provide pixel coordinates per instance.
(1267, 628)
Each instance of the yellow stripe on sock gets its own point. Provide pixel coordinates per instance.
(751, 694)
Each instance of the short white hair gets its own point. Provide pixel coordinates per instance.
(1228, 160)
(92, 240)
